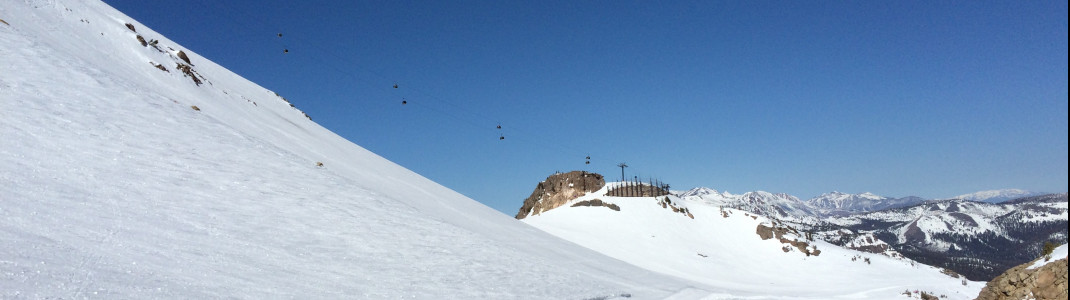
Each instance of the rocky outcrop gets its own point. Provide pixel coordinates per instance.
(666, 203)
(597, 202)
(183, 57)
(558, 189)
(788, 236)
(767, 232)
(1045, 282)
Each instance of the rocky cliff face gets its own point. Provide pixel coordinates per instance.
(1045, 282)
(558, 189)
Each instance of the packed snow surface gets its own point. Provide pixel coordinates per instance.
(720, 247)
(115, 187)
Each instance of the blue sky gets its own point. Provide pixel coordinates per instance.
(897, 98)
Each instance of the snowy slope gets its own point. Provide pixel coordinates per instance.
(997, 196)
(115, 187)
(720, 247)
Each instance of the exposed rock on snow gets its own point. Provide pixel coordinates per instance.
(786, 235)
(866, 242)
(597, 202)
(1043, 278)
(558, 189)
(1046, 282)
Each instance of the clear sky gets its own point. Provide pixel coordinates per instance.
(897, 98)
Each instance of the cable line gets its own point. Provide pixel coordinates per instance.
(409, 96)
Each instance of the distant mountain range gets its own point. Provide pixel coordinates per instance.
(779, 205)
(785, 206)
(978, 235)
(837, 203)
(997, 196)
(976, 239)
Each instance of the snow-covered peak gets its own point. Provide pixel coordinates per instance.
(997, 196)
(763, 196)
(838, 199)
(871, 196)
(699, 192)
(776, 205)
(705, 191)
(707, 195)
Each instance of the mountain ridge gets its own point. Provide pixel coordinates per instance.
(836, 203)
(976, 239)
(997, 196)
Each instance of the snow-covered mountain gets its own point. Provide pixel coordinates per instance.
(788, 207)
(997, 196)
(838, 200)
(133, 168)
(712, 196)
(977, 239)
(779, 205)
(837, 203)
(699, 237)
